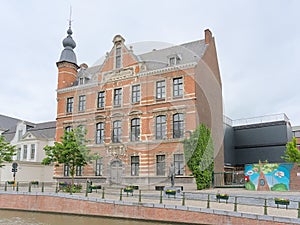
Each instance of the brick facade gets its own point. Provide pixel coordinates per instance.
(192, 92)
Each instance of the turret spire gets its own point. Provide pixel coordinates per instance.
(68, 55)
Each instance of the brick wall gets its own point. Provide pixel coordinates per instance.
(44, 203)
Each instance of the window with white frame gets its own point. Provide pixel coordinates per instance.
(70, 102)
(135, 164)
(82, 102)
(99, 167)
(100, 133)
(160, 89)
(178, 164)
(161, 127)
(101, 99)
(116, 135)
(136, 93)
(25, 152)
(160, 165)
(118, 57)
(66, 170)
(118, 97)
(177, 87)
(32, 152)
(135, 129)
(178, 125)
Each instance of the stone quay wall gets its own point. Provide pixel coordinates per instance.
(80, 205)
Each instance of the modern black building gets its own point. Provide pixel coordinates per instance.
(249, 140)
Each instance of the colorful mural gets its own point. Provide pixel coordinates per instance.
(268, 176)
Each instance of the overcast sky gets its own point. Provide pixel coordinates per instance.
(258, 47)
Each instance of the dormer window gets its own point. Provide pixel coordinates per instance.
(81, 80)
(118, 57)
(174, 60)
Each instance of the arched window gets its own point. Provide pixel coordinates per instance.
(178, 125)
(116, 135)
(135, 129)
(100, 133)
(161, 127)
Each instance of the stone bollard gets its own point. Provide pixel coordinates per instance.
(5, 186)
(208, 201)
(29, 187)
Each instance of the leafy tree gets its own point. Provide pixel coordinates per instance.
(292, 154)
(198, 151)
(7, 151)
(71, 151)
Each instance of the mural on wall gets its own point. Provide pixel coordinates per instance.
(268, 176)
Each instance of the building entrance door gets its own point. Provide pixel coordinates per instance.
(116, 170)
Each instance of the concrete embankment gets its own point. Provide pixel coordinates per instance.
(80, 205)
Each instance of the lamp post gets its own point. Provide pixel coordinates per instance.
(14, 170)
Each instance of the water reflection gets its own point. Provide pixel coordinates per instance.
(8, 217)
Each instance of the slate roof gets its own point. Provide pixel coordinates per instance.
(158, 59)
(44, 130)
(7, 122)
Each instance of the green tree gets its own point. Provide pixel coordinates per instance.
(198, 151)
(7, 151)
(72, 151)
(292, 154)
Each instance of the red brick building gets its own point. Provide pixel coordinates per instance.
(137, 109)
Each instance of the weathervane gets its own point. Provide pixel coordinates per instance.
(70, 18)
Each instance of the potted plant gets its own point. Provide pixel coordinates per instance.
(282, 201)
(170, 192)
(34, 182)
(220, 196)
(128, 189)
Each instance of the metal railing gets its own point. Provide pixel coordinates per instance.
(227, 202)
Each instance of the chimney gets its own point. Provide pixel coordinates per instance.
(208, 36)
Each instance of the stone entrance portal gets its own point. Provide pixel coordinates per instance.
(116, 171)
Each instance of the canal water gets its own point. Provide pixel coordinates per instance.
(8, 217)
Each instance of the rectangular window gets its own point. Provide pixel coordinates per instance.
(66, 170)
(136, 93)
(177, 87)
(172, 61)
(81, 105)
(99, 133)
(32, 152)
(135, 164)
(118, 97)
(101, 99)
(160, 165)
(161, 127)
(79, 170)
(160, 89)
(25, 152)
(19, 154)
(296, 133)
(99, 167)
(70, 102)
(178, 164)
(118, 57)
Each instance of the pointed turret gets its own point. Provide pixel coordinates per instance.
(67, 64)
